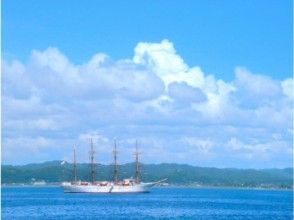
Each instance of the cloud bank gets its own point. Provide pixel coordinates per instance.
(178, 113)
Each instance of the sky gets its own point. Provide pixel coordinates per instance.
(206, 83)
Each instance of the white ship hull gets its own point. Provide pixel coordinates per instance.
(111, 188)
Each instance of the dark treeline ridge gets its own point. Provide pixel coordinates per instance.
(177, 174)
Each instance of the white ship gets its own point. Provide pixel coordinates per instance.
(116, 186)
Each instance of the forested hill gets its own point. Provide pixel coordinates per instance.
(177, 174)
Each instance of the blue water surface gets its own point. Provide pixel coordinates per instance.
(160, 203)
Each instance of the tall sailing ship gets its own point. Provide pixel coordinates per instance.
(131, 185)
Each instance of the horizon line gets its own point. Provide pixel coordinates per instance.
(161, 163)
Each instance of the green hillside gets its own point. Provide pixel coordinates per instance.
(177, 174)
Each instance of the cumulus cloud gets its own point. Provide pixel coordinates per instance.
(255, 89)
(182, 92)
(288, 87)
(162, 59)
(179, 113)
(99, 78)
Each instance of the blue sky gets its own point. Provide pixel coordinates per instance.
(207, 83)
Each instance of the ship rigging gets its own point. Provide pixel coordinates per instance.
(131, 185)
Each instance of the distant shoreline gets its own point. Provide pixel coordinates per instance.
(177, 175)
(163, 187)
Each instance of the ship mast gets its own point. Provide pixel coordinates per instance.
(92, 158)
(115, 171)
(75, 164)
(137, 172)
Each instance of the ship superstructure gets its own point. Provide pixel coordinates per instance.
(131, 185)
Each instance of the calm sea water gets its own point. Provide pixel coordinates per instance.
(160, 203)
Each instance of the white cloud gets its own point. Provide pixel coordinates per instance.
(179, 113)
(162, 59)
(256, 150)
(255, 89)
(25, 149)
(288, 87)
(182, 92)
(255, 84)
(15, 82)
(57, 78)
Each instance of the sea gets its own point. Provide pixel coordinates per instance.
(161, 203)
